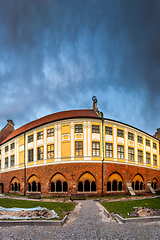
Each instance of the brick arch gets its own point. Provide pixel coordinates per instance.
(58, 177)
(115, 176)
(115, 182)
(13, 180)
(33, 178)
(138, 177)
(14, 184)
(86, 176)
(87, 182)
(154, 183)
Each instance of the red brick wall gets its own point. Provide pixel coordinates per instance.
(45, 173)
(8, 129)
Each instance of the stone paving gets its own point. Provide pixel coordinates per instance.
(87, 221)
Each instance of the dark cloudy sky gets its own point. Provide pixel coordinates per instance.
(56, 54)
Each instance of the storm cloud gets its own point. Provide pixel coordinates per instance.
(56, 54)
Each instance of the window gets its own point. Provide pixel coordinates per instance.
(30, 155)
(131, 154)
(140, 156)
(155, 160)
(109, 150)
(108, 130)
(120, 133)
(120, 151)
(40, 153)
(154, 145)
(95, 149)
(30, 138)
(147, 142)
(148, 158)
(130, 136)
(0, 151)
(140, 140)
(12, 160)
(12, 146)
(50, 132)
(78, 128)
(95, 128)
(50, 151)
(6, 162)
(78, 148)
(39, 135)
(6, 149)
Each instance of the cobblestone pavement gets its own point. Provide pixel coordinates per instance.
(87, 221)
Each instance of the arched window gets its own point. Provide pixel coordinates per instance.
(137, 185)
(52, 187)
(120, 186)
(137, 182)
(108, 186)
(80, 187)
(141, 185)
(58, 186)
(114, 186)
(93, 186)
(58, 183)
(87, 186)
(87, 183)
(114, 182)
(154, 184)
(39, 187)
(65, 187)
(29, 187)
(15, 186)
(34, 186)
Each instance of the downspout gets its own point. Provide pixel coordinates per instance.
(102, 148)
(24, 164)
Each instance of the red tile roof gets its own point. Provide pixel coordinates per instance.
(89, 113)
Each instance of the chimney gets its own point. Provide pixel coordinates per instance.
(95, 103)
(10, 122)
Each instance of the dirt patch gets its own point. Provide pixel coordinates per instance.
(26, 214)
(145, 212)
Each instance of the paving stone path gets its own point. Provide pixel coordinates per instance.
(87, 221)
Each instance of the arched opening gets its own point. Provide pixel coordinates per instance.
(120, 186)
(137, 185)
(39, 187)
(58, 183)
(137, 182)
(58, 186)
(115, 182)
(14, 185)
(154, 184)
(87, 186)
(52, 187)
(114, 186)
(108, 186)
(29, 187)
(65, 187)
(93, 186)
(33, 186)
(80, 187)
(87, 183)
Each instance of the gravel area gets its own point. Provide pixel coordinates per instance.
(87, 221)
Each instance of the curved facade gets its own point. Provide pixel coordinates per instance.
(78, 151)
